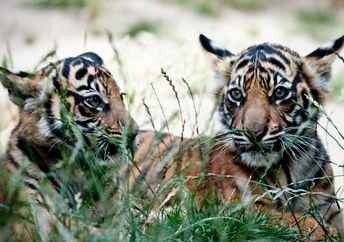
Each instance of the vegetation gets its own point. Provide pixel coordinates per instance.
(246, 5)
(62, 4)
(214, 8)
(143, 26)
(104, 209)
(320, 23)
(93, 8)
(211, 8)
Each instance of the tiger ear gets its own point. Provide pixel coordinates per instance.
(214, 48)
(20, 85)
(93, 57)
(321, 61)
(221, 62)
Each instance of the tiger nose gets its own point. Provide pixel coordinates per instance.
(259, 133)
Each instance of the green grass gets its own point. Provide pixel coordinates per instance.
(210, 8)
(62, 4)
(94, 8)
(140, 26)
(245, 5)
(337, 83)
(319, 23)
(130, 216)
(215, 222)
(128, 220)
(214, 8)
(337, 87)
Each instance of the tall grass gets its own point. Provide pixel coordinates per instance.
(97, 204)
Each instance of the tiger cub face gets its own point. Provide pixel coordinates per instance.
(79, 86)
(267, 95)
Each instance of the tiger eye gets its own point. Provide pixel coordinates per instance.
(93, 101)
(236, 94)
(280, 92)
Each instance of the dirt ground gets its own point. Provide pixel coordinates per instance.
(28, 33)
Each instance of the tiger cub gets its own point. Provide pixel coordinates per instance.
(66, 109)
(269, 151)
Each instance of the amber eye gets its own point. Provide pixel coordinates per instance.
(236, 94)
(280, 92)
(93, 101)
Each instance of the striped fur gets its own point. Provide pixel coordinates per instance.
(269, 151)
(166, 167)
(269, 97)
(73, 100)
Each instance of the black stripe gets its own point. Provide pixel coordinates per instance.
(81, 88)
(296, 81)
(66, 66)
(17, 165)
(276, 62)
(90, 79)
(264, 49)
(33, 187)
(275, 77)
(271, 50)
(242, 63)
(23, 74)
(51, 119)
(81, 73)
(57, 84)
(84, 123)
(13, 161)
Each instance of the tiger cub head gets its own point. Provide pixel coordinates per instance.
(80, 87)
(268, 95)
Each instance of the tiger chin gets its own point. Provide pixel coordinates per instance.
(66, 109)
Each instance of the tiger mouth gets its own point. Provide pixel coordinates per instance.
(259, 147)
(112, 146)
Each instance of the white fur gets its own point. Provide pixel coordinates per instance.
(216, 46)
(217, 84)
(327, 45)
(43, 128)
(30, 104)
(258, 159)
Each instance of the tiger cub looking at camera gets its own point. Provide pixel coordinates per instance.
(269, 152)
(69, 112)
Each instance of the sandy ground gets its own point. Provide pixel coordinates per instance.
(28, 33)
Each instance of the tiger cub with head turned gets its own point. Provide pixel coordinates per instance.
(269, 151)
(66, 109)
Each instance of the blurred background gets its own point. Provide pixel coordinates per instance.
(136, 38)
